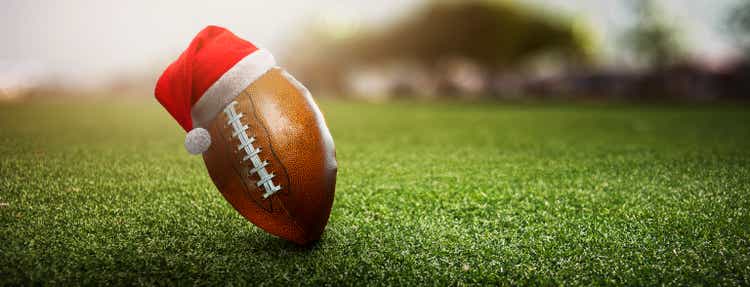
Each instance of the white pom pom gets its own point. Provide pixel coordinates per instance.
(197, 141)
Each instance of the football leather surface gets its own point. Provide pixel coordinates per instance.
(286, 131)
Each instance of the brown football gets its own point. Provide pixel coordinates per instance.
(272, 157)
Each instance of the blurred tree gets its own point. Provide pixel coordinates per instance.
(490, 33)
(653, 42)
(739, 25)
(486, 37)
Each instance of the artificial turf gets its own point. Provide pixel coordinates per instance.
(427, 194)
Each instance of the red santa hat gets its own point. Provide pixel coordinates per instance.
(208, 75)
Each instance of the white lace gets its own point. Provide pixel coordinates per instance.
(251, 153)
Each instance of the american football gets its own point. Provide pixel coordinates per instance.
(263, 139)
(273, 159)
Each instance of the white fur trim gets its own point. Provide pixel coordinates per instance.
(230, 85)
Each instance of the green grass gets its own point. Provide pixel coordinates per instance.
(435, 194)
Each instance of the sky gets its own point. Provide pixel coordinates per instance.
(85, 42)
(701, 24)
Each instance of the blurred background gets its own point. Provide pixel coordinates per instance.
(638, 50)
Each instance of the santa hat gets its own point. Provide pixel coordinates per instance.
(208, 75)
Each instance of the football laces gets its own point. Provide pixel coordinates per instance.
(251, 152)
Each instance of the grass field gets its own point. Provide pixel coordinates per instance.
(435, 194)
